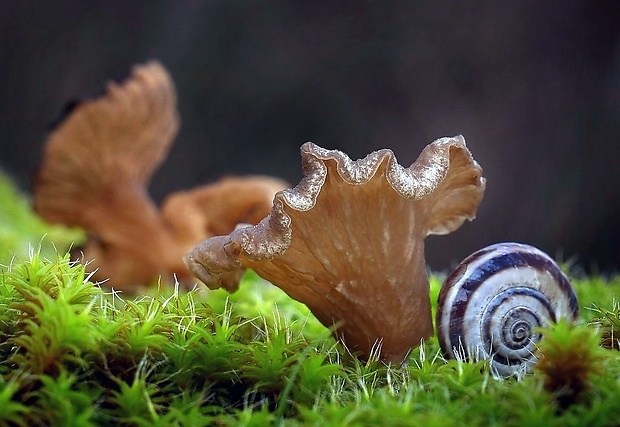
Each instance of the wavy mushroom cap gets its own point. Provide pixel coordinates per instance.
(105, 146)
(348, 241)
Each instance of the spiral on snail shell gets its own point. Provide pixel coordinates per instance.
(492, 305)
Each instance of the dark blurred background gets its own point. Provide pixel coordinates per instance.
(534, 86)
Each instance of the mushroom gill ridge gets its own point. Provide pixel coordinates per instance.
(348, 241)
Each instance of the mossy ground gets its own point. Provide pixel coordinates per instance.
(72, 353)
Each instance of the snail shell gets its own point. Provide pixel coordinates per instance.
(492, 304)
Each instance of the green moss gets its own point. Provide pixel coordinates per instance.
(72, 353)
(21, 229)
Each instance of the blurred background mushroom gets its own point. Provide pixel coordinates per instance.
(534, 87)
(96, 167)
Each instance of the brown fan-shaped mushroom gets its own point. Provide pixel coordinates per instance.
(348, 241)
(97, 164)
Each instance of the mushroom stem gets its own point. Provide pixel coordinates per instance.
(391, 323)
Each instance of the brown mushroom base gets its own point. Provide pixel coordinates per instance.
(387, 328)
(366, 280)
